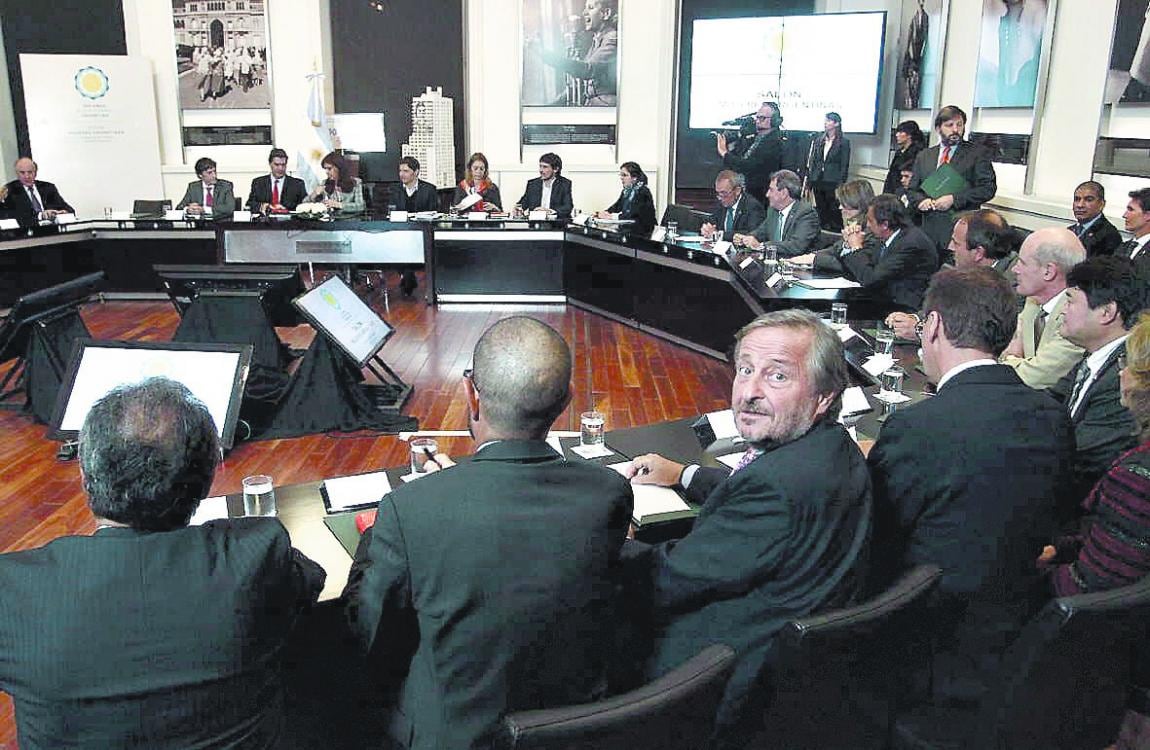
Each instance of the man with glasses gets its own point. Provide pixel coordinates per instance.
(763, 157)
(1104, 297)
(970, 478)
(486, 587)
(737, 211)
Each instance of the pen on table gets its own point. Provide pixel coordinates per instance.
(431, 457)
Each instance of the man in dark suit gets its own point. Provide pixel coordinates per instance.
(972, 163)
(899, 267)
(1094, 230)
(1137, 219)
(550, 190)
(738, 212)
(29, 200)
(970, 478)
(209, 196)
(412, 195)
(762, 157)
(778, 538)
(486, 587)
(1104, 298)
(151, 633)
(276, 192)
(791, 226)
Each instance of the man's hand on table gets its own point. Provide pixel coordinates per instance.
(438, 462)
(903, 324)
(651, 468)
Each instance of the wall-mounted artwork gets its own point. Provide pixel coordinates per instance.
(570, 53)
(1009, 52)
(919, 52)
(222, 54)
(1129, 76)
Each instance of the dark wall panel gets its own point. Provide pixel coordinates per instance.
(696, 160)
(381, 59)
(63, 27)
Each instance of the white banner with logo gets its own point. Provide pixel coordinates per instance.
(92, 127)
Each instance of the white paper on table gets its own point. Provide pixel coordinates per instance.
(397, 216)
(553, 441)
(426, 215)
(723, 424)
(210, 509)
(854, 402)
(651, 499)
(721, 247)
(242, 216)
(747, 261)
(838, 282)
(878, 364)
(580, 220)
(538, 214)
(413, 477)
(658, 234)
(593, 451)
(731, 460)
(65, 218)
(9, 224)
(846, 333)
(344, 493)
(172, 214)
(892, 398)
(476, 215)
(690, 239)
(469, 200)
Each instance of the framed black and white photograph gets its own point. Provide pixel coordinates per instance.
(222, 54)
(1129, 77)
(570, 53)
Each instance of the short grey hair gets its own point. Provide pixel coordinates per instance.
(826, 359)
(789, 181)
(735, 178)
(1058, 246)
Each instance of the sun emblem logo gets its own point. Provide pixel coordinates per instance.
(92, 83)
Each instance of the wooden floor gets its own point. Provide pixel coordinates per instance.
(634, 378)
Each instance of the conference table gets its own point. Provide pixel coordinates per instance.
(330, 539)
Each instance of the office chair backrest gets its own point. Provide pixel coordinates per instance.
(150, 208)
(675, 711)
(688, 219)
(1064, 680)
(844, 670)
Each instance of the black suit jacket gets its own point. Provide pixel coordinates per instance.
(561, 201)
(1100, 239)
(970, 479)
(158, 640)
(1103, 427)
(425, 198)
(800, 231)
(19, 206)
(749, 214)
(779, 539)
(1141, 262)
(641, 210)
(973, 163)
(292, 192)
(762, 158)
(833, 169)
(897, 274)
(487, 588)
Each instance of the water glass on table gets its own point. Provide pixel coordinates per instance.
(259, 496)
(422, 451)
(838, 313)
(770, 260)
(884, 339)
(591, 428)
(672, 231)
(890, 383)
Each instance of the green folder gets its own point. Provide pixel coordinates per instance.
(945, 181)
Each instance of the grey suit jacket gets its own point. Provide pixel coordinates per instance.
(223, 197)
(1043, 365)
(800, 232)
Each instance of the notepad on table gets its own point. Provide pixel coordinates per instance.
(654, 504)
(354, 492)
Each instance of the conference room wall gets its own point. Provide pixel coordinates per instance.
(299, 35)
(646, 76)
(8, 148)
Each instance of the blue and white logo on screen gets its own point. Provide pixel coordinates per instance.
(92, 83)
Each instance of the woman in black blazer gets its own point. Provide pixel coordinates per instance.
(827, 165)
(635, 201)
(908, 135)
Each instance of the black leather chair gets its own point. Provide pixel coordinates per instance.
(841, 674)
(673, 712)
(689, 219)
(1062, 683)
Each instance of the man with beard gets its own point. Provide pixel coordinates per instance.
(778, 538)
(971, 163)
(970, 479)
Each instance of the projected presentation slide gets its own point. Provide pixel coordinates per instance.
(810, 65)
(347, 319)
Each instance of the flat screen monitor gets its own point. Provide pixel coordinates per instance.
(810, 65)
(277, 285)
(214, 373)
(41, 304)
(336, 311)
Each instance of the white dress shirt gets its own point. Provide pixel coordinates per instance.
(1095, 362)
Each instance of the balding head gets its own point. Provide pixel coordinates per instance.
(26, 170)
(1057, 245)
(1044, 260)
(522, 373)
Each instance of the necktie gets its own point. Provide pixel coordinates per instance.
(275, 192)
(208, 197)
(946, 155)
(36, 207)
(1039, 327)
(730, 220)
(1080, 230)
(779, 228)
(745, 461)
(1079, 380)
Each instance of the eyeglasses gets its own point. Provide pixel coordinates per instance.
(724, 193)
(762, 117)
(918, 328)
(469, 374)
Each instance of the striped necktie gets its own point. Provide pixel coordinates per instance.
(1079, 379)
(750, 455)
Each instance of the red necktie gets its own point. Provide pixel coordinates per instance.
(946, 155)
(208, 197)
(275, 192)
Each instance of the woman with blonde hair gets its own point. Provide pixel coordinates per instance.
(478, 182)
